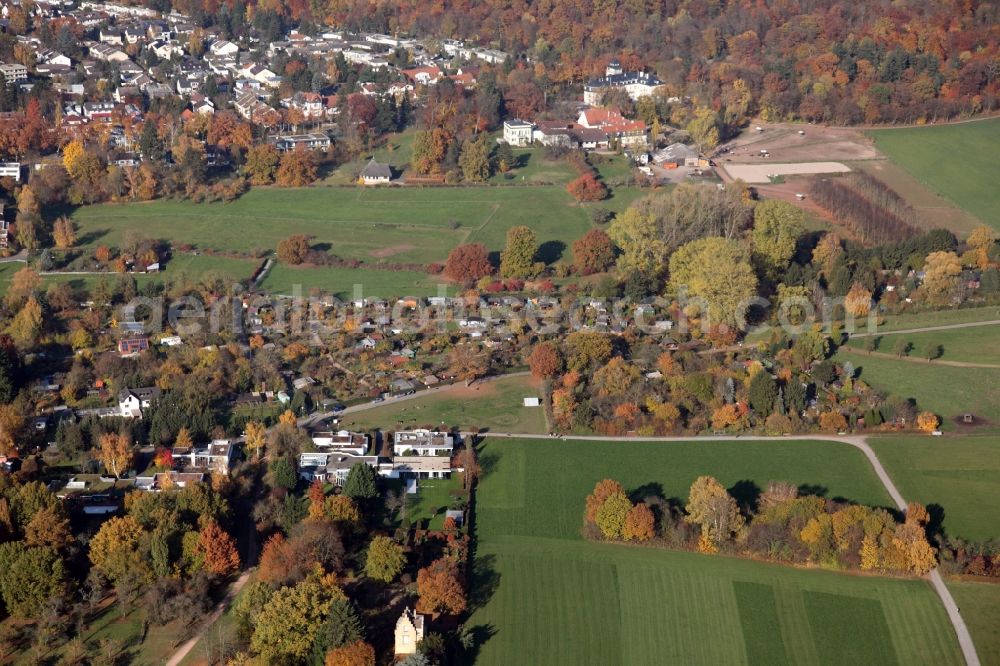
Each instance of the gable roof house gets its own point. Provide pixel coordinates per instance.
(615, 126)
(131, 402)
(409, 632)
(375, 173)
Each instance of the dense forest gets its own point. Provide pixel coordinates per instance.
(822, 60)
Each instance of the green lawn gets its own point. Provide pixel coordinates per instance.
(426, 508)
(980, 344)
(346, 282)
(957, 161)
(939, 318)
(947, 391)
(495, 405)
(543, 591)
(959, 474)
(408, 225)
(980, 605)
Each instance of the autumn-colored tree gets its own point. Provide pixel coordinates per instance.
(218, 550)
(102, 254)
(163, 458)
(474, 160)
(563, 407)
(64, 232)
(27, 323)
(544, 360)
(826, 252)
(832, 421)
(297, 168)
(294, 249)
(777, 226)
(287, 624)
(23, 284)
(358, 653)
(639, 237)
(183, 440)
(941, 276)
(384, 560)
(602, 491)
(429, 149)
(928, 421)
(468, 362)
(467, 263)
(587, 188)
(518, 258)
(439, 589)
(612, 515)
(587, 349)
(714, 510)
(261, 164)
(114, 550)
(858, 301)
(341, 508)
(115, 453)
(639, 523)
(593, 253)
(718, 271)
(49, 527)
(73, 154)
(255, 438)
(981, 241)
(615, 377)
(725, 416)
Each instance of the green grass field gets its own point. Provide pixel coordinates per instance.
(980, 605)
(410, 225)
(906, 321)
(980, 344)
(947, 391)
(957, 161)
(496, 405)
(960, 474)
(543, 591)
(346, 282)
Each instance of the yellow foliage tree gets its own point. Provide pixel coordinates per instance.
(928, 421)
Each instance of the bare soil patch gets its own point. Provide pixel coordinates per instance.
(392, 250)
(784, 143)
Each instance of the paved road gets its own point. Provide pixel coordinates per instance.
(913, 359)
(220, 608)
(934, 577)
(930, 329)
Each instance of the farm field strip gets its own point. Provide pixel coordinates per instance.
(544, 591)
(957, 161)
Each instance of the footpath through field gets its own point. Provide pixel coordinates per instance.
(858, 442)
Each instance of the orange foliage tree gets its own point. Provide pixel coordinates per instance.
(218, 549)
(440, 589)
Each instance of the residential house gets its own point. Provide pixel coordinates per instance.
(133, 346)
(223, 47)
(417, 467)
(215, 456)
(342, 441)
(423, 76)
(422, 442)
(168, 480)
(375, 173)
(10, 170)
(517, 132)
(629, 133)
(409, 632)
(635, 84)
(311, 141)
(331, 466)
(132, 402)
(14, 72)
